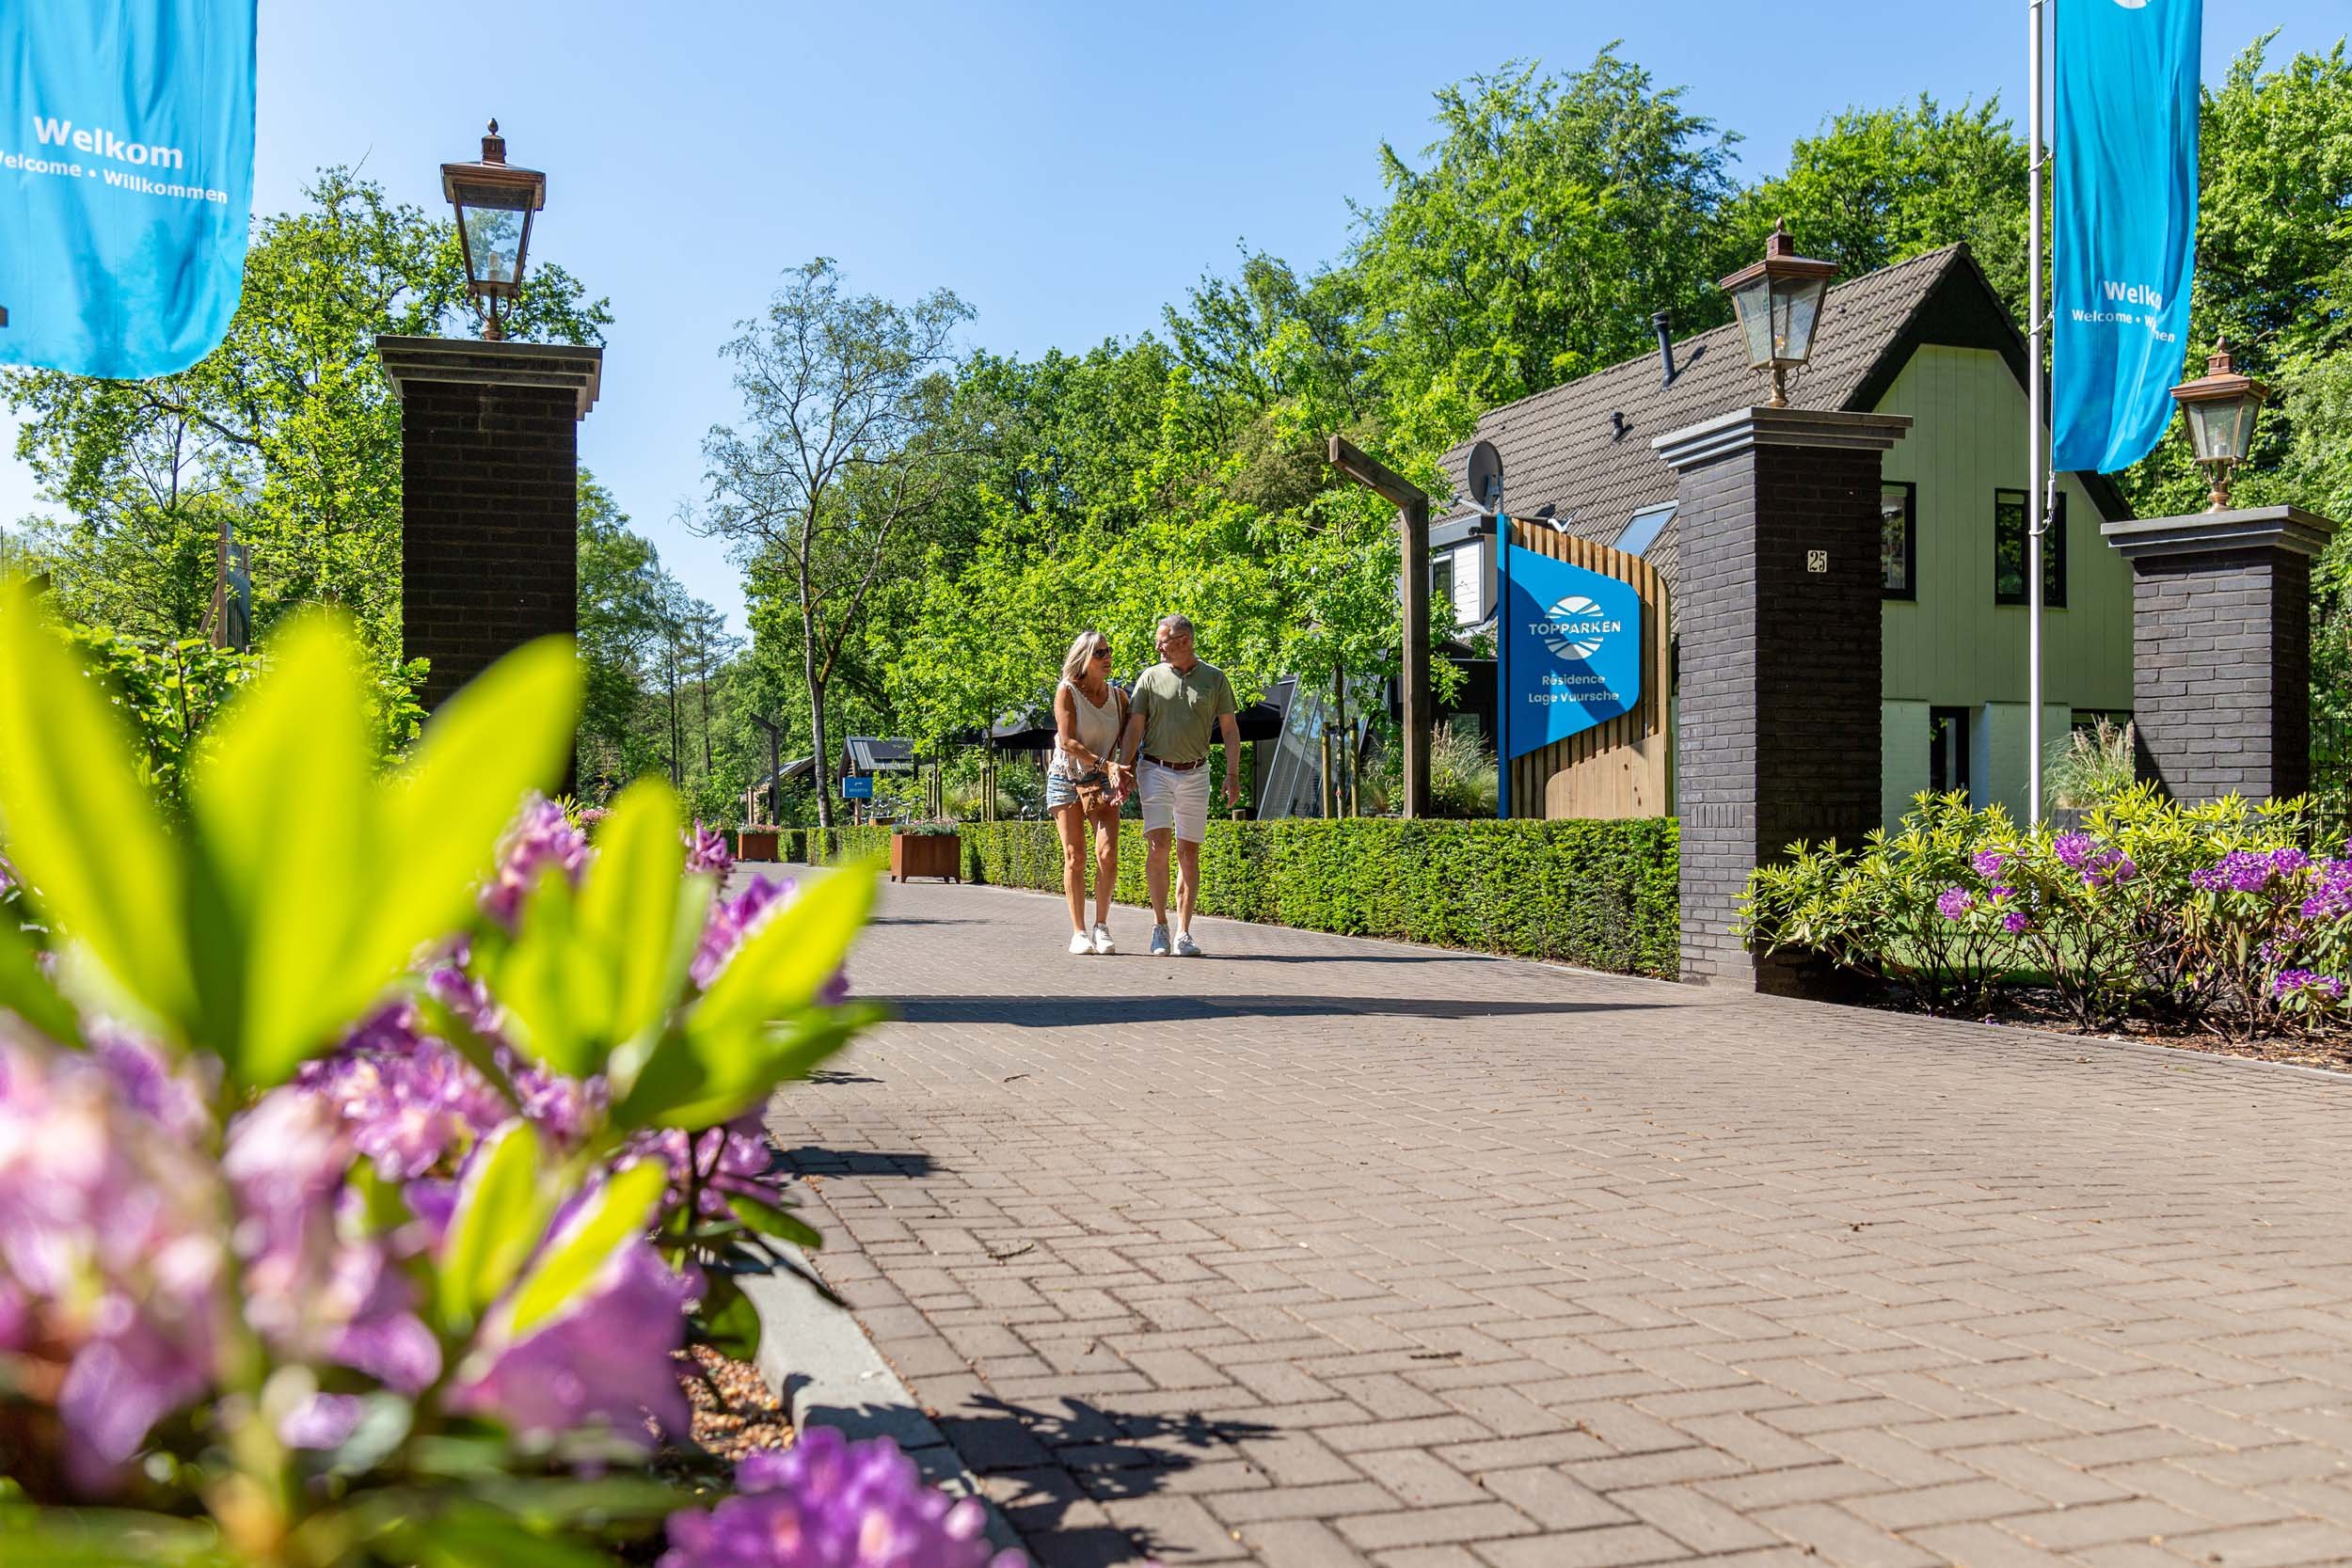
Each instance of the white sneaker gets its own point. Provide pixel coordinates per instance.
(1159, 943)
(1081, 944)
(1102, 938)
(1186, 947)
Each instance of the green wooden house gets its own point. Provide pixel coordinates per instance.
(1927, 338)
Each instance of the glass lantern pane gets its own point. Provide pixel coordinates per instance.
(1756, 320)
(2242, 429)
(493, 238)
(1801, 316)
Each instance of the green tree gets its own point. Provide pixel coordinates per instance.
(1877, 187)
(1553, 215)
(287, 429)
(848, 439)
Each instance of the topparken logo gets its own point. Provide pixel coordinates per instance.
(1573, 629)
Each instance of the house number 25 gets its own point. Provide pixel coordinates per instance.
(1817, 561)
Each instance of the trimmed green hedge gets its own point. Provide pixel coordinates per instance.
(1598, 894)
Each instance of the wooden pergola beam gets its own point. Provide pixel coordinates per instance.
(1374, 475)
(1412, 522)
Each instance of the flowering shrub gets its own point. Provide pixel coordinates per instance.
(2213, 913)
(357, 1179)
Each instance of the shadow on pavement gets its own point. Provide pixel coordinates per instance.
(813, 1160)
(1058, 1013)
(1037, 1460)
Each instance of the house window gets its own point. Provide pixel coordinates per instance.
(1948, 749)
(1642, 530)
(2009, 550)
(1455, 585)
(1898, 540)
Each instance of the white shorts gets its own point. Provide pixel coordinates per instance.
(1175, 799)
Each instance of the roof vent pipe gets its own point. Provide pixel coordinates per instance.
(1664, 322)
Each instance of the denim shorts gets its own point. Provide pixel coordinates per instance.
(1061, 790)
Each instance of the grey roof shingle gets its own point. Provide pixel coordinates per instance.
(1562, 449)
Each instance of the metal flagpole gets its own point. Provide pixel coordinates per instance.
(2037, 449)
(1503, 660)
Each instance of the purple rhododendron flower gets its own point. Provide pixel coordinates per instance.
(734, 919)
(2240, 870)
(605, 1359)
(543, 837)
(1988, 861)
(733, 1157)
(826, 1502)
(706, 850)
(314, 1288)
(2108, 868)
(321, 1421)
(9, 881)
(2291, 981)
(408, 1100)
(107, 1240)
(2072, 850)
(2015, 923)
(2331, 890)
(1953, 902)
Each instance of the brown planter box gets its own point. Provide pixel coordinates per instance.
(754, 845)
(925, 855)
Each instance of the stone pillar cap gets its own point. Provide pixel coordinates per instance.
(573, 367)
(1742, 429)
(2247, 528)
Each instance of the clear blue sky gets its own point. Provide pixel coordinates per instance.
(1066, 168)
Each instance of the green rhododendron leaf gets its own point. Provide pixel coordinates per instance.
(507, 733)
(730, 1323)
(629, 910)
(502, 1213)
(551, 983)
(25, 991)
(780, 966)
(285, 811)
(612, 1220)
(78, 824)
(694, 1082)
(770, 1219)
(474, 1537)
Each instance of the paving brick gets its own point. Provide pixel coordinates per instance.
(1325, 1234)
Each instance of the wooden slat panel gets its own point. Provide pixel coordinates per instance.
(1619, 768)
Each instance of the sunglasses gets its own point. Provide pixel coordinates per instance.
(1102, 653)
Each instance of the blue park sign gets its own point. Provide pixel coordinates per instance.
(857, 786)
(1572, 650)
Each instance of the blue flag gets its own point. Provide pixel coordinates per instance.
(126, 180)
(1574, 655)
(2126, 224)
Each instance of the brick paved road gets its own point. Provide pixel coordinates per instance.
(1328, 1252)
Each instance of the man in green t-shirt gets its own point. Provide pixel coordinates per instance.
(1174, 707)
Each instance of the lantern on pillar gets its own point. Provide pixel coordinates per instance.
(494, 202)
(2219, 408)
(1779, 304)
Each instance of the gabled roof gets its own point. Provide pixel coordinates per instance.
(866, 753)
(1567, 454)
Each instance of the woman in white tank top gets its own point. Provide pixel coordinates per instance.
(1084, 783)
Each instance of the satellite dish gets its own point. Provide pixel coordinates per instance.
(1486, 477)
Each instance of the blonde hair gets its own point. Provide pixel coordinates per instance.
(1081, 654)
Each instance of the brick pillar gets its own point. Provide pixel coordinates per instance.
(489, 467)
(2221, 648)
(1777, 600)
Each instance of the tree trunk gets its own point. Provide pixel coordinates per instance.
(820, 767)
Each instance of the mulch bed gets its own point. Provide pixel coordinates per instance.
(2329, 1048)
(734, 1410)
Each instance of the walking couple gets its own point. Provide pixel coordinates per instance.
(1154, 745)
